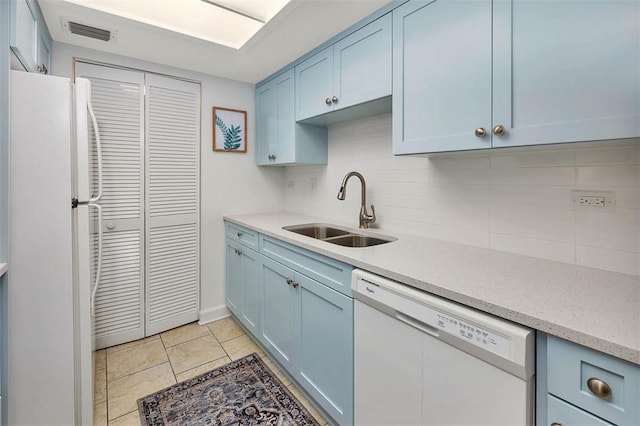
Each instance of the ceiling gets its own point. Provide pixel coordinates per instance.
(299, 27)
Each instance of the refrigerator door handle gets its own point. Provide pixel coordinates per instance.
(96, 131)
(98, 207)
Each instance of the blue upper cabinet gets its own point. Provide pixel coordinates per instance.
(280, 140)
(30, 39)
(481, 74)
(442, 76)
(314, 85)
(354, 70)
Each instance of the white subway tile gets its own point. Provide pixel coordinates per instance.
(610, 260)
(595, 176)
(458, 176)
(541, 195)
(619, 230)
(534, 221)
(559, 176)
(616, 155)
(544, 249)
(460, 162)
(534, 159)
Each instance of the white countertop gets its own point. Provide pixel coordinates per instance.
(592, 307)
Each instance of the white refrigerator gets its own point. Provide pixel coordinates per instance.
(51, 281)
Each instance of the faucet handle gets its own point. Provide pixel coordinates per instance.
(372, 217)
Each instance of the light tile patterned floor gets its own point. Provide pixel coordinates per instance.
(130, 371)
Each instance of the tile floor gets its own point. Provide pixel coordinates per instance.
(130, 371)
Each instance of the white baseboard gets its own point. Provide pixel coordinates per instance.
(213, 314)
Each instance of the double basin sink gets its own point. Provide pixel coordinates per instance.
(336, 235)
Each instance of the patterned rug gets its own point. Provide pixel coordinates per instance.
(243, 392)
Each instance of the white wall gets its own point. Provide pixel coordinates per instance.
(515, 200)
(230, 183)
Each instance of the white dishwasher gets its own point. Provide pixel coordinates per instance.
(423, 360)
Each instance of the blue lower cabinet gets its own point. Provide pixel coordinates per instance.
(324, 336)
(278, 312)
(308, 328)
(243, 285)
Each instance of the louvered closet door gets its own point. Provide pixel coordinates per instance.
(172, 199)
(118, 101)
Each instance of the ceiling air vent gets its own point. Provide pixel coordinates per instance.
(88, 31)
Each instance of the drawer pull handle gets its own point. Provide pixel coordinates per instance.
(599, 388)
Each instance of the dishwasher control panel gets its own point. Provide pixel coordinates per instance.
(474, 334)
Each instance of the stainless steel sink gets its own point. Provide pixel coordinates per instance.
(341, 236)
(317, 231)
(352, 240)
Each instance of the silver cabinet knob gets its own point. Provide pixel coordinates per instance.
(239, 234)
(480, 132)
(334, 99)
(289, 281)
(42, 69)
(111, 225)
(294, 284)
(556, 424)
(327, 101)
(499, 130)
(599, 388)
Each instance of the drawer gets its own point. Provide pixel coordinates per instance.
(332, 273)
(559, 412)
(243, 235)
(571, 367)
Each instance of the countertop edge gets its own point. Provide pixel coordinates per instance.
(595, 342)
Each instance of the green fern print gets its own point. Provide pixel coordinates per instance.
(232, 135)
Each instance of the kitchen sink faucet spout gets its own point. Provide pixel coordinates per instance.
(365, 218)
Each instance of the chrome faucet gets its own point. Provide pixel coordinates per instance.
(365, 217)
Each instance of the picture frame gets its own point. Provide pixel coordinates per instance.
(229, 130)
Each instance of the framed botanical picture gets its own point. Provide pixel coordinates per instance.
(229, 130)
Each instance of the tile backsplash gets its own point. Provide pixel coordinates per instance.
(516, 200)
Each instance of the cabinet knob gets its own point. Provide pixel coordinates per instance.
(289, 281)
(239, 234)
(42, 69)
(111, 225)
(480, 132)
(599, 388)
(327, 101)
(334, 99)
(556, 424)
(498, 130)
(239, 252)
(294, 284)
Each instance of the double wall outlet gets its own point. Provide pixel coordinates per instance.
(603, 201)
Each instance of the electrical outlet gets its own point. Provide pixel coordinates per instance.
(602, 201)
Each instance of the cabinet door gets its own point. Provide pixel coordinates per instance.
(314, 85)
(235, 278)
(324, 333)
(267, 122)
(559, 412)
(44, 54)
(566, 70)
(276, 121)
(278, 330)
(362, 64)
(252, 296)
(442, 75)
(24, 42)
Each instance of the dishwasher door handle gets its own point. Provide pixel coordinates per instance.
(425, 328)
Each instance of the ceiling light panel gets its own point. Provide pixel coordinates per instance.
(230, 23)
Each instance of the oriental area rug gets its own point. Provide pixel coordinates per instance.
(243, 392)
